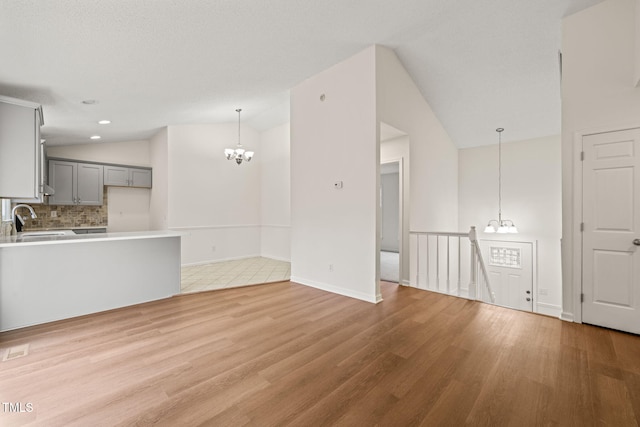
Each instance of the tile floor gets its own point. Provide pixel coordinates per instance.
(229, 274)
(390, 266)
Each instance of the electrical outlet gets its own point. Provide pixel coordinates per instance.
(331, 267)
(54, 214)
(213, 248)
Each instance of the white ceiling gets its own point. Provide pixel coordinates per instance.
(480, 64)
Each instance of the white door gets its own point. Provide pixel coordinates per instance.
(610, 240)
(510, 269)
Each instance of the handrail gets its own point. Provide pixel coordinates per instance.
(440, 233)
(474, 240)
(477, 270)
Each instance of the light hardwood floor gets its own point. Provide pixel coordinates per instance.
(286, 354)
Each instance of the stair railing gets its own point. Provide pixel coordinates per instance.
(439, 260)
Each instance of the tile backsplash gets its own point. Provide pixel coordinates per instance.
(67, 216)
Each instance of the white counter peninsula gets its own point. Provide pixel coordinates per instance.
(44, 278)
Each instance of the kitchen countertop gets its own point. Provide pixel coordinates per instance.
(75, 275)
(14, 241)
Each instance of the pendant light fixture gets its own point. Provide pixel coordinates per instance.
(238, 154)
(500, 225)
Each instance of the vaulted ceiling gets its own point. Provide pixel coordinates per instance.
(148, 64)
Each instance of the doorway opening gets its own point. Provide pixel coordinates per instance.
(390, 230)
(393, 212)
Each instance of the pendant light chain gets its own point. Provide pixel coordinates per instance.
(499, 130)
(238, 110)
(500, 225)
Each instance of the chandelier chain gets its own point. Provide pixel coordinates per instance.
(499, 130)
(238, 110)
(506, 225)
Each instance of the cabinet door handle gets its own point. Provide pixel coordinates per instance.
(79, 201)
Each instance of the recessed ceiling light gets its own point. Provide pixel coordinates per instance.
(89, 101)
(95, 137)
(104, 122)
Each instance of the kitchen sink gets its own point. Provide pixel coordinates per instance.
(44, 235)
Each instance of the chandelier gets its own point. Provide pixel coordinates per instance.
(500, 225)
(238, 154)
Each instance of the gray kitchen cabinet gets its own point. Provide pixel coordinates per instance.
(124, 176)
(21, 150)
(140, 177)
(76, 183)
(116, 175)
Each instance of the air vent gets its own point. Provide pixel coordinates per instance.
(16, 352)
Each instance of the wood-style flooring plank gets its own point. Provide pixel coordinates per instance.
(287, 354)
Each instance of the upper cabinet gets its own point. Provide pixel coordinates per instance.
(76, 183)
(140, 178)
(21, 150)
(124, 176)
(82, 183)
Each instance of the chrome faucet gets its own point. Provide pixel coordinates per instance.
(22, 205)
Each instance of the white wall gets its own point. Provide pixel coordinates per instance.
(128, 208)
(224, 210)
(598, 94)
(213, 201)
(434, 157)
(134, 153)
(433, 163)
(159, 203)
(334, 231)
(531, 197)
(398, 149)
(275, 178)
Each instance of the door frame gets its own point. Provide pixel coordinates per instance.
(400, 162)
(578, 188)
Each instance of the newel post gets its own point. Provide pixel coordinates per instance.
(473, 271)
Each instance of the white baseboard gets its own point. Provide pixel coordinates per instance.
(548, 309)
(277, 258)
(337, 290)
(568, 317)
(378, 298)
